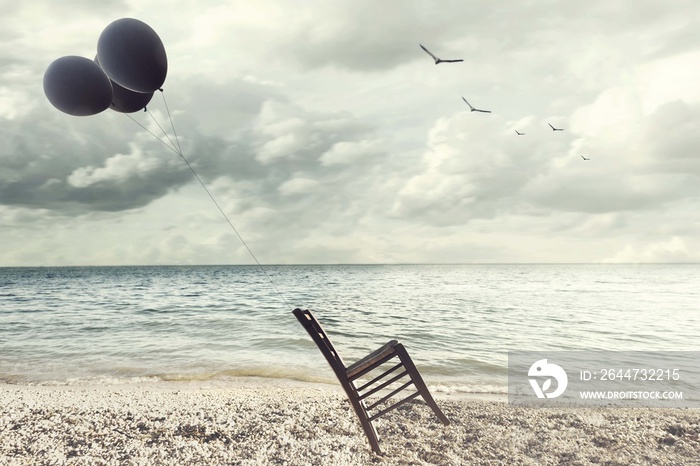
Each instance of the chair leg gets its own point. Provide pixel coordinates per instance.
(420, 384)
(367, 425)
(362, 415)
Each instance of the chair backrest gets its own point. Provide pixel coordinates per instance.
(313, 327)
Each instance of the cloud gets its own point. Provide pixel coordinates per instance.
(326, 134)
(638, 162)
(106, 162)
(79, 166)
(116, 169)
(298, 186)
(670, 251)
(349, 152)
(473, 168)
(356, 37)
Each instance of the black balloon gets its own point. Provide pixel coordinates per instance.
(132, 55)
(77, 86)
(126, 101)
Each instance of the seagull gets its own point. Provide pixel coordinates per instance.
(584, 158)
(553, 128)
(475, 109)
(438, 60)
(519, 133)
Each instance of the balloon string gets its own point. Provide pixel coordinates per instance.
(161, 128)
(178, 150)
(172, 125)
(153, 134)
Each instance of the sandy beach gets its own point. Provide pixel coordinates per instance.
(258, 422)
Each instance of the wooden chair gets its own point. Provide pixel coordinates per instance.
(347, 375)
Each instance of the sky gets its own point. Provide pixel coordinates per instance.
(326, 135)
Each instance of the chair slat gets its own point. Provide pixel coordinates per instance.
(394, 406)
(380, 377)
(394, 392)
(383, 385)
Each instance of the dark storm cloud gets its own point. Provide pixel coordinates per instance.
(104, 163)
(76, 165)
(280, 156)
(42, 164)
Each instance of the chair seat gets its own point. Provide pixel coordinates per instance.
(371, 358)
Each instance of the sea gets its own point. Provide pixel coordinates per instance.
(115, 325)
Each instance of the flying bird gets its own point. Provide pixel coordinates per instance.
(553, 128)
(438, 60)
(584, 158)
(519, 133)
(475, 109)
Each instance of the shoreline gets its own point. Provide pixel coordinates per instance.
(233, 383)
(257, 421)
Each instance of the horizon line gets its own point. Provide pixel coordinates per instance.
(335, 264)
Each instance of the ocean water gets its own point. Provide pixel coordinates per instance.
(80, 325)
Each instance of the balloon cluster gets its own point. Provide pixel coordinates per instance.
(129, 67)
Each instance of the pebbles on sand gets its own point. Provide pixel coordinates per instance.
(258, 423)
